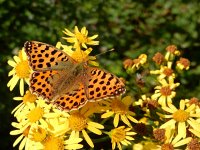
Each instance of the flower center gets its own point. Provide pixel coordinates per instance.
(35, 114)
(168, 72)
(55, 143)
(185, 62)
(166, 91)
(167, 147)
(38, 135)
(26, 131)
(119, 107)
(29, 97)
(23, 69)
(81, 38)
(77, 121)
(159, 134)
(158, 58)
(181, 115)
(194, 144)
(118, 134)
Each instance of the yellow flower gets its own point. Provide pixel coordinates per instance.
(172, 51)
(165, 71)
(78, 55)
(173, 142)
(120, 109)
(141, 60)
(121, 135)
(21, 71)
(165, 93)
(23, 131)
(183, 63)
(180, 118)
(80, 38)
(28, 97)
(78, 122)
(73, 142)
(146, 104)
(36, 113)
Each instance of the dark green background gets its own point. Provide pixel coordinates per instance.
(131, 27)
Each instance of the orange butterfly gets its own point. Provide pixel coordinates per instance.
(68, 84)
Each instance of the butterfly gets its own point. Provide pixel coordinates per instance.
(66, 83)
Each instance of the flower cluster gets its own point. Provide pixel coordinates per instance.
(175, 121)
(150, 115)
(40, 125)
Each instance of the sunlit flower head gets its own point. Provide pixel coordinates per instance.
(121, 136)
(23, 132)
(147, 103)
(78, 55)
(183, 63)
(36, 113)
(128, 63)
(27, 98)
(180, 118)
(119, 109)
(172, 141)
(20, 72)
(171, 52)
(165, 92)
(138, 62)
(80, 38)
(165, 71)
(78, 123)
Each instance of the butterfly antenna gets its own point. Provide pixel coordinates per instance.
(110, 50)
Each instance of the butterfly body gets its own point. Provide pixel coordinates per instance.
(66, 83)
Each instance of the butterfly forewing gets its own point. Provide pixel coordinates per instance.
(44, 57)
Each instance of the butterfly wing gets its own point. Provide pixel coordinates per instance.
(43, 56)
(71, 100)
(41, 83)
(95, 84)
(103, 84)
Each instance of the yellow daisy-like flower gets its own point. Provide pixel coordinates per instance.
(120, 110)
(78, 122)
(27, 98)
(21, 71)
(78, 55)
(172, 51)
(147, 145)
(36, 113)
(183, 63)
(121, 135)
(181, 118)
(80, 38)
(173, 142)
(165, 71)
(165, 93)
(141, 60)
(23, 131)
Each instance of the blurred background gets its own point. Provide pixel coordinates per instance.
(130, 27)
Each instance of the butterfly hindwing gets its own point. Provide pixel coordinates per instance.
(71, 100)
(41, 83)
(103, 85)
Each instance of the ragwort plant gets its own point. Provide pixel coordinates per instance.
(151, 119)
